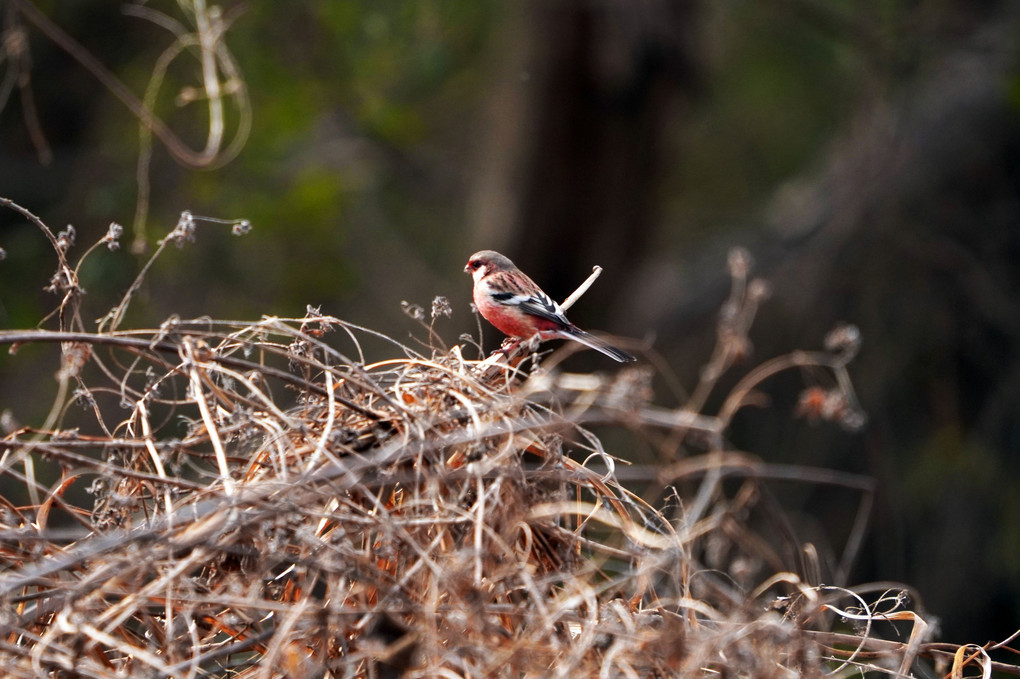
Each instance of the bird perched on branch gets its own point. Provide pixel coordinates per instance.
(513, 303)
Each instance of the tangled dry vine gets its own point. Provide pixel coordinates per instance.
(214, 498)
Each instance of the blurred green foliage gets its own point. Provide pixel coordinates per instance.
(369, 116)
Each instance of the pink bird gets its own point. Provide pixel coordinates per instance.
(513, 303)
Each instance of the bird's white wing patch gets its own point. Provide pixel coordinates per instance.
(540, 305)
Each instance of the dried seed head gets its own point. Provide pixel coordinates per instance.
(112, 237)
(853, 419)
(413, 310)
(844, 339)
(184, 231)
(441, 307)
(65, 239)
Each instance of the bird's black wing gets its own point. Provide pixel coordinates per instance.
(539, 304)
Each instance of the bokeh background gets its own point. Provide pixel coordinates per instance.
(867, 154)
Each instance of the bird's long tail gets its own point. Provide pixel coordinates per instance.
(589, 340)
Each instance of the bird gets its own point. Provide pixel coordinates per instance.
(507, 298)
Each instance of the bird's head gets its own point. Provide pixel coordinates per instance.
(486, 262)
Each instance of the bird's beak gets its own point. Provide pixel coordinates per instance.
(467, 268)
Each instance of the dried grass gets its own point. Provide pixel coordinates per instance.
(215, 498)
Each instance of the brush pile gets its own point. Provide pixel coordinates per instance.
(213, 498)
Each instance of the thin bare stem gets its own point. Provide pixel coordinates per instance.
(583, 288)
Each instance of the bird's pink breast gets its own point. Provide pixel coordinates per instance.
(510, 320)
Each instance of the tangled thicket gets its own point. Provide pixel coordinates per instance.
(268, 505)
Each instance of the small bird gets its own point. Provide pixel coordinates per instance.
(512, 302)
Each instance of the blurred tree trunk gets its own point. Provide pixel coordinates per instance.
(578, 159)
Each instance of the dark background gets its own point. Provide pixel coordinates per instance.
(867, 154)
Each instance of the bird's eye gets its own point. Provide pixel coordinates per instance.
(474, 264)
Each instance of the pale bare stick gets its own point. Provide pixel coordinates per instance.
(569, 301)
